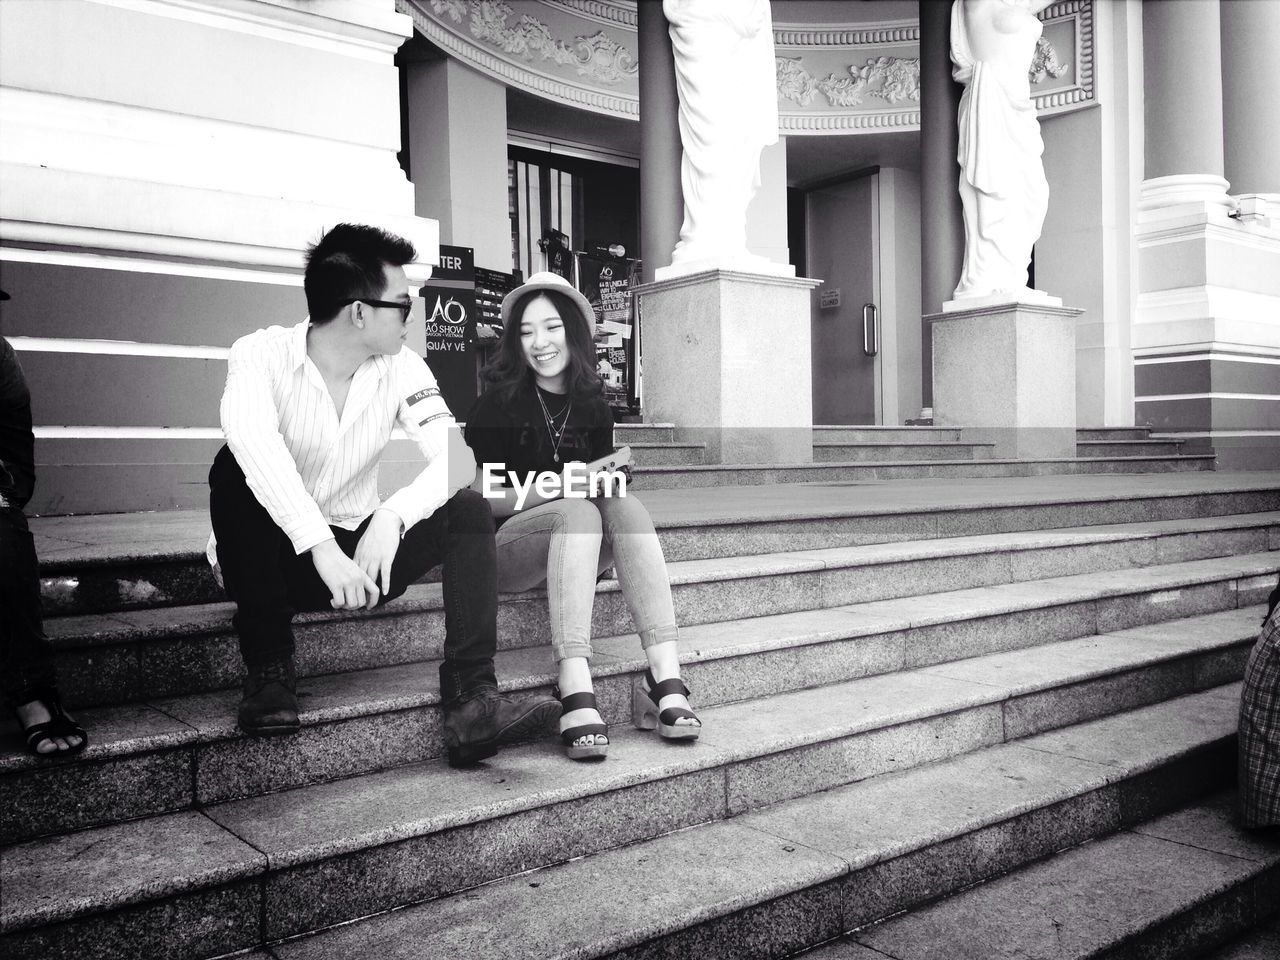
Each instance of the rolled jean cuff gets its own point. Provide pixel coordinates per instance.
(656, 635)
(567, 647)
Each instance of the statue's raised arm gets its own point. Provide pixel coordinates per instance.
(1002, 184)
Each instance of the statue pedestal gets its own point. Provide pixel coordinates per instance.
(727, 360)
(1007, 374)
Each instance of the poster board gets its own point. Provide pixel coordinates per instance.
(450, 301)
(607, 282)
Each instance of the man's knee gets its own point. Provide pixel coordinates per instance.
(468, 510)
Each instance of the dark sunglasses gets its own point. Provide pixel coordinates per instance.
(404, 308)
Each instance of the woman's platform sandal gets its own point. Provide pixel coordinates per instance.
(58, 726)
(586, 741)
(673, 723)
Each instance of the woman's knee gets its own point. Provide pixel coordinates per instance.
(624, 515)
(578, 517)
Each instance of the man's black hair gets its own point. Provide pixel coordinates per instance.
(349, 262)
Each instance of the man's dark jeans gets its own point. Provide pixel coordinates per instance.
(269, 582)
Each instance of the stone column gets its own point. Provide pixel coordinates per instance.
(1250, 81)
(458, 157)
(1204, 333)
(661, 203)
(1182, 62)
(941, 219)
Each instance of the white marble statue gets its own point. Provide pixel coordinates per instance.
(726, 79)
(1002, 184)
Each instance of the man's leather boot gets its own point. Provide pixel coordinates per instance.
(477, 722)
(270, 704)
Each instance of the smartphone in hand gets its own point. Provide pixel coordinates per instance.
(617, 460)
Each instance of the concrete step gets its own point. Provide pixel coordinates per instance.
(125, 561)
(1172, 887)
(892, 451)
(719, 475)
(1128, 448)
(1260, 943)
(884, 434)
(114, 658)
(643, 433)
(172, 753)
(1112, 433)
(766, 884)
(667, 454)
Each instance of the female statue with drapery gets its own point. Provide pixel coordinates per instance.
(726, 79)
(1002, 183)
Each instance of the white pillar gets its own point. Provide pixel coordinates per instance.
(1250, 81)
(1184, 157)
(458, 157)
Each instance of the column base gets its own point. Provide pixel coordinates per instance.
(1191, 195)
(727, 360)
(1026, 296)
(746, 263)
(1007, 374)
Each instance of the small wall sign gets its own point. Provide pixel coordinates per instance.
(829, 299)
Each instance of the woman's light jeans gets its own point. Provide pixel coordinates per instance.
(566, 544)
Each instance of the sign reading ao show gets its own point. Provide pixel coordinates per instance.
(450, 301)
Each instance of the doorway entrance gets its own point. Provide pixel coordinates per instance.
(842, 248)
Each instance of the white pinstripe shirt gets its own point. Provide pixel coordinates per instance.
(309, 468)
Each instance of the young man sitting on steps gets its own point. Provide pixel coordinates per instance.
(297, 522)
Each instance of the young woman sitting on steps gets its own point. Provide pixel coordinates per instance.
(543, 409)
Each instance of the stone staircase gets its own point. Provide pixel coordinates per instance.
(872, 453)
(907, 688)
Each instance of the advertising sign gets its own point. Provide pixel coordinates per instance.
(607, 282)
(450, 301)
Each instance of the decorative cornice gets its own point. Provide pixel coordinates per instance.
(602, 11)
(835, 123)
(835, 35)
(598, 57)
(565, 91)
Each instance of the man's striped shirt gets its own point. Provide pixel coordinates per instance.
(309, 468)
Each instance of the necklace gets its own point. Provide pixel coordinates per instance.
(554, 434)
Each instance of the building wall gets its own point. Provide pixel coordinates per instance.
(162, 169)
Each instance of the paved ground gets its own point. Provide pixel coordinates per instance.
(184, 532)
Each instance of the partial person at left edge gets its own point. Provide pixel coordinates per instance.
(297, 521)
(26, 656)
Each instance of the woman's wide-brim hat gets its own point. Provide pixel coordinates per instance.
(544, 282)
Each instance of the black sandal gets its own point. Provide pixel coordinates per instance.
(644, 709)
(58, 726)
(599, 745)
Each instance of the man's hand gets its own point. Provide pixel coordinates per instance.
(376, 551)
(351, 587)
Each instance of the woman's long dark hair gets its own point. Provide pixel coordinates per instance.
(510, 372)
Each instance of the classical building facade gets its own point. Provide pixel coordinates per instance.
(163, 163)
